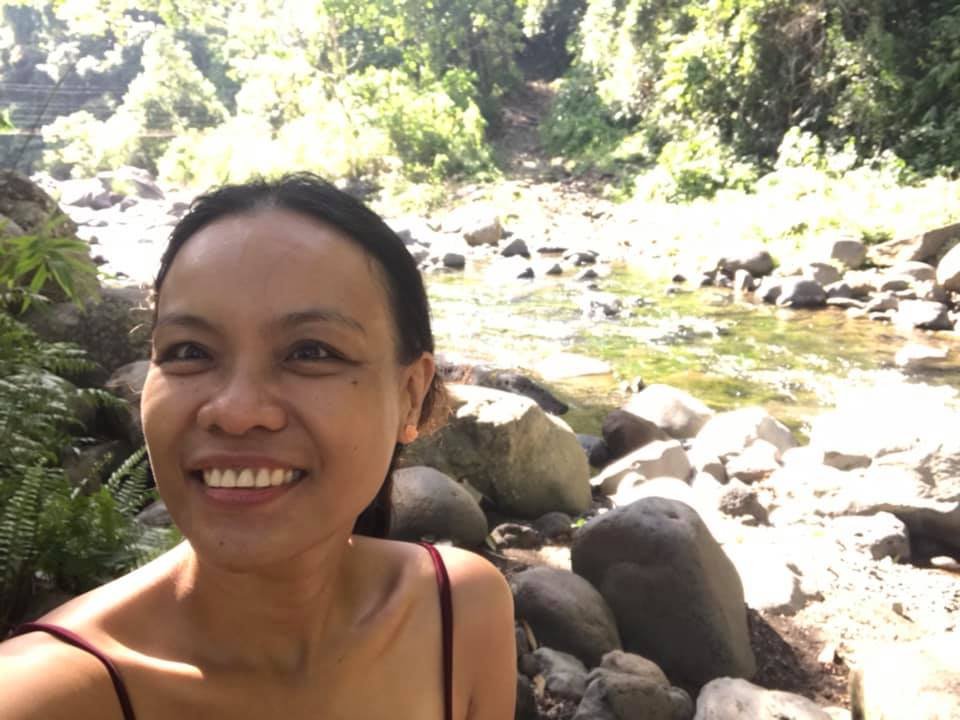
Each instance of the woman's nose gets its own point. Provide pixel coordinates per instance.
(245, 402)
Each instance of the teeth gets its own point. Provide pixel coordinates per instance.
(263, 478)
(249, 477)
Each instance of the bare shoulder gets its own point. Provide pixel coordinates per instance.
(476, 583)
(46, 678)
(484, 642)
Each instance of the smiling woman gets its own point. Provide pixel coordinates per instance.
(292, 359)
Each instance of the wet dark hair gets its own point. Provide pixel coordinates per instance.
(310, 195)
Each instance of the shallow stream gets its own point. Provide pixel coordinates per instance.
(727, 351)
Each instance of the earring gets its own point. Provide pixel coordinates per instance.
(409, 433)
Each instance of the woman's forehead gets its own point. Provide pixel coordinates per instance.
(274, 258)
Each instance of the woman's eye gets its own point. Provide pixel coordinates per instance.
(310, 351)
(182, 352)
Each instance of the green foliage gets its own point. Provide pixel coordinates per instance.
(31, 263)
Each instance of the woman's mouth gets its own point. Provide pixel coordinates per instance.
(250, 477)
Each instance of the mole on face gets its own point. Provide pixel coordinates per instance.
(354, 382)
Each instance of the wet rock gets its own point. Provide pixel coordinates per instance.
(429, 504)
(565, 612)
(738, 500)
(671, 588)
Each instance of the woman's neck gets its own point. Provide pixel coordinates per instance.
(275, 619)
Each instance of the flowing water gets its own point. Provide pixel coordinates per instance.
(727, 351)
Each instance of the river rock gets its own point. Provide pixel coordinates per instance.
(917, 271)
(660, 458)
(517, 246)
(478, 224)
(676, 596)
(454, 261)
(800, 292)
(841, 291)
(132, 182)
(821, 273)
(565, 675)
(554, 526)
(598, 454)
(757, 461)
(515, 535)
(525, 461)
(731, 433)
(769, 289)
(87, 192)
(737, 699)
(628, 686)
(565, 612)
(30, 207)
(514, 382)
(114, 331)
(428, 504)
(526, 707)
(741, 501)
(923, 314)
(677, 412)
(772, 581)
(8, 228)
(623, 432)
(922, 247)
(948, 270)
(848, 252)
(918, 680)
(755, 260)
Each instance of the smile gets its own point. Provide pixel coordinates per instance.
(250, 477)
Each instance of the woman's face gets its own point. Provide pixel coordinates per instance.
(274, 365)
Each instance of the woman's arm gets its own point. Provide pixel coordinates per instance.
(485, 661)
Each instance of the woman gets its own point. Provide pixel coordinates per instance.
(292, 357)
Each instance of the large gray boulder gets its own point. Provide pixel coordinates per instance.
(428, 504)
(30, 207)
(849, 252)
(755, 260)
(800, 292)
(737, 699)
(677, 412)
(528, 463)
(565, 612)
(676, 596)
(627, 686)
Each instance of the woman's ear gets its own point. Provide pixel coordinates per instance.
(417, 379)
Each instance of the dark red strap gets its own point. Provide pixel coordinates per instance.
(446, 616)
(73, 639)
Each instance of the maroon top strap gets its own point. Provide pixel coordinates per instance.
(446, 616)
(73, 639)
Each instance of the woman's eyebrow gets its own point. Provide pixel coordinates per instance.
(322, 315)
(186, 320)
